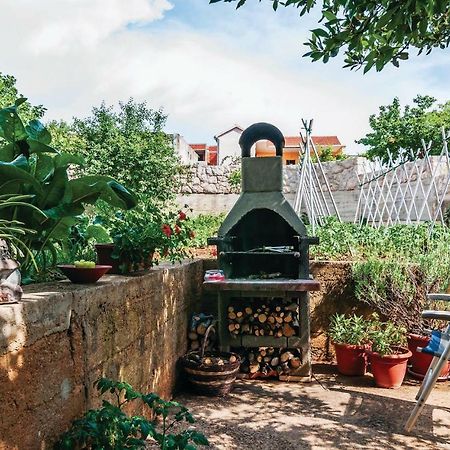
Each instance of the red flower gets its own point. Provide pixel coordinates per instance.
(181, 215)
(167, 230)
(191, 234)
(177, 229)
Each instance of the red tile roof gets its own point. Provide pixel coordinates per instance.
(198, 146)
(326, 140)
(294, 141)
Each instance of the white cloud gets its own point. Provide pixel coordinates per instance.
(57, 25)
(72, 54)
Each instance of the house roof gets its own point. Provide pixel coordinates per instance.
(294, 141)
(198, 146)
(234, 127)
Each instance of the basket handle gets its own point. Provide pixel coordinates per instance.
(205, 339)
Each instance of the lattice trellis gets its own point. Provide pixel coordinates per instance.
(314, 195)
(410, 189)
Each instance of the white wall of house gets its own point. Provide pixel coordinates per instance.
(185, 152)
(228, 146)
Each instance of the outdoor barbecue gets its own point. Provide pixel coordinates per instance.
(263, 251)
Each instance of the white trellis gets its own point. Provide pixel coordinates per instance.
(410, 189)
(314, 195)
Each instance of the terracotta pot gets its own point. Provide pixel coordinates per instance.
(83, 275)
(421, 361)
(351, 359)
(104, 252)
(104, 256)
(389, 371)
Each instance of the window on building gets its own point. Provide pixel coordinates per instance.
(290, 162)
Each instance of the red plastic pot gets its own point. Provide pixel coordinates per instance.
(421, 361)
(83, 274)
(351, 359)
(389, 370)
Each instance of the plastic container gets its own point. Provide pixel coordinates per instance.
(214, 275)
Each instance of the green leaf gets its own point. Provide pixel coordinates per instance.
(19, 101)
(8, 152)
(56, 191)
(13, 172)
(320, 32)
(39, 147)
(45, 167)
(37, 131)
(65, 159)
(11, 126)
(329, 15)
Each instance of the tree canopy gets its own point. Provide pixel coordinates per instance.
(129, 144)
(9, 94)
(372, 33)
(394, 129)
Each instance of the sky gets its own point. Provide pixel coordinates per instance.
(208, 66)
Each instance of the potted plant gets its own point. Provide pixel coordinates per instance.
(350, 336)
(389, 356)
(141, 234)
(420, 362)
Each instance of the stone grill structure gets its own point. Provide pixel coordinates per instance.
(263, 249)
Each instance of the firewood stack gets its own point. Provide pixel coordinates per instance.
(197, 329)
(274, 317)
(263, 362)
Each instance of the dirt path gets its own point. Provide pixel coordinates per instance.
(339, 413)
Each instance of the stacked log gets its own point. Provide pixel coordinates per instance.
(274, 317)
(197, 329)
(270, 361)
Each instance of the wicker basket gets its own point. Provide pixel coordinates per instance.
(211, 379)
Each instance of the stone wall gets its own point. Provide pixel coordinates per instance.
(206, 189)
(62, 337)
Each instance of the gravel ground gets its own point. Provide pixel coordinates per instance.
(333, 412)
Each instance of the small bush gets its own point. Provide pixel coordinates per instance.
(110, 428)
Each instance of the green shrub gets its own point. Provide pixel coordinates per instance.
(352, 330)
(386, 337)
(205, 226)
(111, 428)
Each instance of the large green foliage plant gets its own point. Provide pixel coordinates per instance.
(33, 169)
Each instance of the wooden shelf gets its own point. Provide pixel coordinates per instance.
(286, 285)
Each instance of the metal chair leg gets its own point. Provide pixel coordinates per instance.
(433, 363)
(428, 384)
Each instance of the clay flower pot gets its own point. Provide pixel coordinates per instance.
(83, 275)
(104, 257)
(389, 370)
(351, 359)
(421, 361)
(120, 265)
